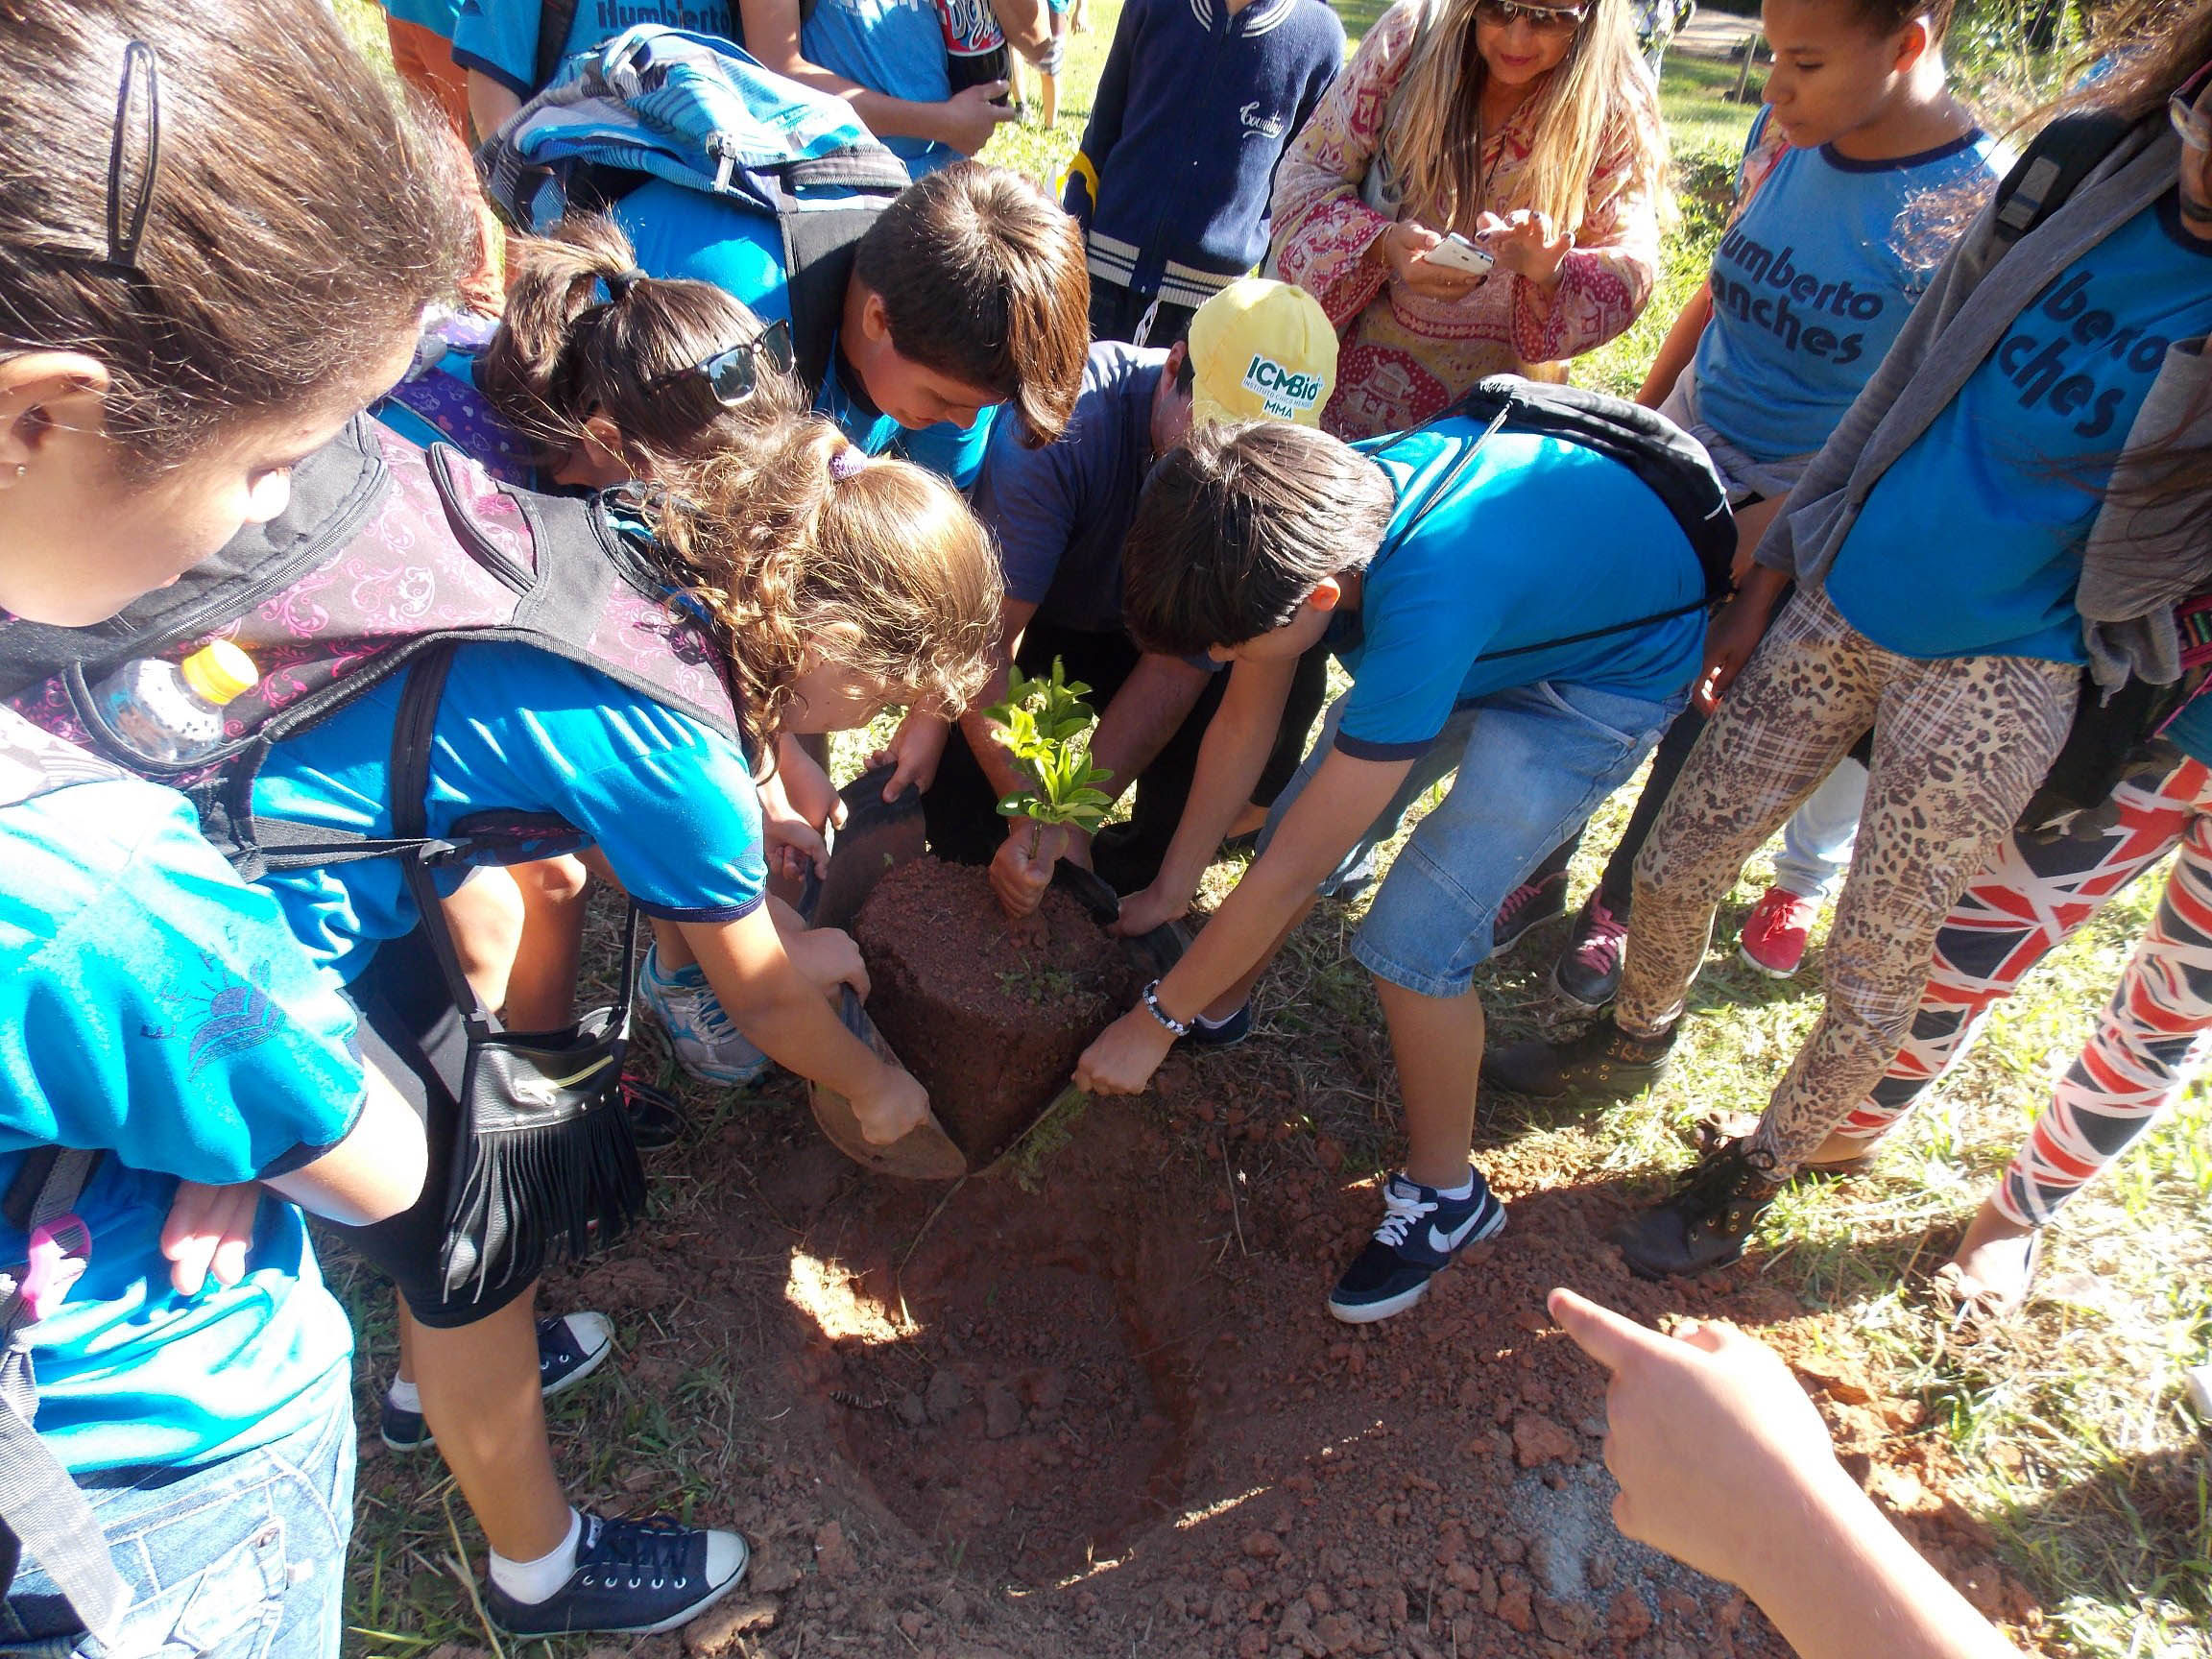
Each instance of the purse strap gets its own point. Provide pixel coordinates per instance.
(413, 731)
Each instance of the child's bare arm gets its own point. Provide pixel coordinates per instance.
(1339, 802)
(1725, 1464)
(783, 1013)
(1233, 755)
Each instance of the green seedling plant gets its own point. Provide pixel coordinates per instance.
(1046, 727)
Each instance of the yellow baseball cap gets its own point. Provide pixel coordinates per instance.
(1260, 348)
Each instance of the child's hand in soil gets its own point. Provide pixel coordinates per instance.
(1126, 1055)
(1144, 911)
(829, 960)
(916, 747)
(893, 1106)
(1021, 869)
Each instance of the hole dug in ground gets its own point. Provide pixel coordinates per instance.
(1036, 1409)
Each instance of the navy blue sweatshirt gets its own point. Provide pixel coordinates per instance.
(1193, 111)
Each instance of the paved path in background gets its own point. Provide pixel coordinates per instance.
(1715, 33)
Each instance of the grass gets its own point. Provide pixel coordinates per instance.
(2066, 1432)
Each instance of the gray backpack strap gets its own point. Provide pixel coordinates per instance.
(40, 1505)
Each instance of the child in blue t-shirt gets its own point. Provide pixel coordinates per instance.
(191, 1372)
(967, 292)
(497, 42)
(589, 382)
(838, 584)
(2000, 508)
(1860, 172)
(887, 59)
(1542, 682)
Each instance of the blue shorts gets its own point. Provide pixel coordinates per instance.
(1532, 763)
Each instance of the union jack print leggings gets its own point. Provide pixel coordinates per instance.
(2151, 1037)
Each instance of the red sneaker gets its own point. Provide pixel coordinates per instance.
(1774, 932)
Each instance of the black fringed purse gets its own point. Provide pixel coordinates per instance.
(544, 1151)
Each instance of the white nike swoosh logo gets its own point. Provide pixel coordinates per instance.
(1444, 1243)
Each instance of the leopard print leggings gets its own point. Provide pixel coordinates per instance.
(1959, 744)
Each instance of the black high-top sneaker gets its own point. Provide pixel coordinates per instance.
(1705, 1223)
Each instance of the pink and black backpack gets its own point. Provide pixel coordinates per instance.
(387, 560)
(388, 556)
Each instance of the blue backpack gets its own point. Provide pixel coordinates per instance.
(698, 112)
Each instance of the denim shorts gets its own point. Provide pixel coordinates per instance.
(243, 1559)
(1532, 763)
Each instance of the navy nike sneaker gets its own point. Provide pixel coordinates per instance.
(1422, 1229)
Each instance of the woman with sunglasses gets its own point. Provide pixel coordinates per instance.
(2018, 496)
(1528, 128)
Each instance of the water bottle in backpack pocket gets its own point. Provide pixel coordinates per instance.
(172, 712)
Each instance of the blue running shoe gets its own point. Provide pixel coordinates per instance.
(1422, 1229)
(707, 1044)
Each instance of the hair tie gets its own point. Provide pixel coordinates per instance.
(621, 283)
(848, 463)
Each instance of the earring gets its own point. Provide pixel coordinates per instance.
(21, 468)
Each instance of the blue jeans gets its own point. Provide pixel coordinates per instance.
(1533, 762)
(243, 1559)
(1817, 840)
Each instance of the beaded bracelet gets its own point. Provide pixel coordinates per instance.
(1177, 1027)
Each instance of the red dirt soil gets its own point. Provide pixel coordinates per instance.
(1111, 1416)
(990, 1014)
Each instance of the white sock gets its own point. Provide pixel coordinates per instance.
(1215, 1025)
(1465, 1189)
(405, 1395)
(530, 1582)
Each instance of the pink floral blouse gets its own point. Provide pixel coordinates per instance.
(1403, 358)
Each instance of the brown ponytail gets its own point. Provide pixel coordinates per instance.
(806, 552)
(298, 220)
(584, 333)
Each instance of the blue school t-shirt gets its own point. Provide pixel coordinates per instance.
(499, 38)
(1971, 543)
(153, 1005)
(896, 47)
(1536, 539)
(1812, 283)
(436, 15)
(670, 803)
(680, 233)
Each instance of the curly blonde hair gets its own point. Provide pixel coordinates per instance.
(807, 553)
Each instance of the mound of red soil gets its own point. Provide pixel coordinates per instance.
(990, 1014)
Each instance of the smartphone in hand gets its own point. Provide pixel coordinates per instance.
(1460, 255)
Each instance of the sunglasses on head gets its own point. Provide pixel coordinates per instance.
(734, 375)
(1543, 19)
(2193, 125)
